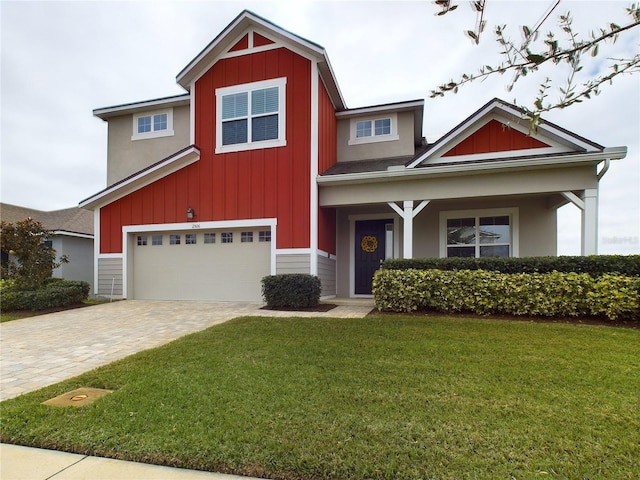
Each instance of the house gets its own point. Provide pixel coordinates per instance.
(72, 236)
(260, 168)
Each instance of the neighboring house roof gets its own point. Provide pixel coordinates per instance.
(69, 221)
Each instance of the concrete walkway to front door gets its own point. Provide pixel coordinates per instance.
(39, 351)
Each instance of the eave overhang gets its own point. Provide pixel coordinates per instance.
(474, 168)
(138, 180)
(130, 108)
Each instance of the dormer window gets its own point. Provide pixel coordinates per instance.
(251, 116)
(153, 124)
(370, 130)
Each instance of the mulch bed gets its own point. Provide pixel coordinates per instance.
(635, 324)
(322, 307)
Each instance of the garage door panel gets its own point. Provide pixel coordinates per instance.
(201, 271)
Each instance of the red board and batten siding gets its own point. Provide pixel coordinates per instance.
(327, 157)
(494, 137)
(273, 182)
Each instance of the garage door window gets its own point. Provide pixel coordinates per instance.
(227, 237)
(174, 239)
(246, 237)
(156, 240)
(142, 240)
(190, 239)
(209, 238)
(264, 236)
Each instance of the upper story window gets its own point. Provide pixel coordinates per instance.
(370, 130)
(153, 124)
(251, 116)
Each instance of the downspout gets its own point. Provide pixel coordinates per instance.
(607, 162)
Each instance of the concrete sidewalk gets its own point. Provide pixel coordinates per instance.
(23, 463)
(39, 351)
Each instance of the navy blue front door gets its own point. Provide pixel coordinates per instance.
(369, 252)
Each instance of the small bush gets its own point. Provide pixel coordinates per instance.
(54, 293)
(482, 292)
(594, 265)
(291, 290)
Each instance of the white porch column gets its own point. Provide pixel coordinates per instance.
(408, 213)
(589, 219)
(590, 222)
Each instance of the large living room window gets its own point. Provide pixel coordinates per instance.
(480, 233)
(251, 116)
(153, 124)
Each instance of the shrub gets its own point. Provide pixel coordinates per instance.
(294, 290)
(54, 293)
(554, 294)
(595, 265)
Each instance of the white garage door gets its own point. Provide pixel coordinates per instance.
(219, 265)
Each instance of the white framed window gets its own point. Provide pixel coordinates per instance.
(480, 233)
(246, 237)
(154, 124)
(156, 240)
(251, 116)
(373, 129)
(142, 240)
(190, 239)
(174, 239)
(209, 238)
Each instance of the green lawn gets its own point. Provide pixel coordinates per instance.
(384, 397)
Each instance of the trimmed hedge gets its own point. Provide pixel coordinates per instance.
(594, 265)
(294, 290)
(55, 293)
(483, 292)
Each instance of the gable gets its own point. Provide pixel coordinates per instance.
(495, 136)
(500, 131)
(249, 33)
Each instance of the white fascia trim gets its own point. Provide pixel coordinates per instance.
(96, 248)
(473, 168)
(293, 251)
(192, 116)
(497, 155)
(313, 185)
(381, 109)
(110, 255)
(174, 101)
(170, 165)
(218, 224)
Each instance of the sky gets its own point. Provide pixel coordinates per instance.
(62, 60)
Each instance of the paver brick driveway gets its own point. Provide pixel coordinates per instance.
(43, 350)
(46, 349)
